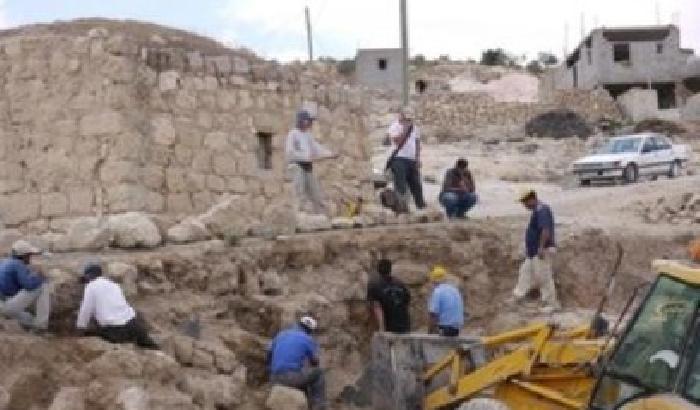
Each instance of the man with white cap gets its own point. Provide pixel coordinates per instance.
(287, 357)
(104, 301)
(20, 288)
(302, 150)
(536, 270)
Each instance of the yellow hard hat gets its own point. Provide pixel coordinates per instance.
(525, 194)
(437, 274)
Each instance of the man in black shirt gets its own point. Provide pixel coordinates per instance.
(389, 299)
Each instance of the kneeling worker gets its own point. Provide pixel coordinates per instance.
(104, 300)
(287, 356)
(21, 288)
(445, 305)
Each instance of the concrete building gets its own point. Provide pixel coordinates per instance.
(620, 59)
(379, 68)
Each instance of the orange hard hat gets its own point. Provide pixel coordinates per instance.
(694, 249)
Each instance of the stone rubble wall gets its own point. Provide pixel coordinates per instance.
(98, 124)
(454, 114)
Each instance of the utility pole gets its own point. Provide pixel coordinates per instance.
(309, 37)
(404, 53)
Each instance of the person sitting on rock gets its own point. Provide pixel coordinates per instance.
(104, 300)
(445, 305)
(457, 194)
(20, 288)
(289, 351)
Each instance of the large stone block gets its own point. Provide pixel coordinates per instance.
(126, 197)
(224, 165)
(202, 161)
(189, 230)
(153, 177)
(169, 80)
(179, 203)
(285, 398)
(18, 208)
(216, 183)
(163, 130)
(115, 172)
(133, 230)
(107, 122)
(80, 200)
(217, 140)
(69, 398)
(54, 204)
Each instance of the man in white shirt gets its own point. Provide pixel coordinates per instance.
(104, 301)
(302, 150)
(405, 158)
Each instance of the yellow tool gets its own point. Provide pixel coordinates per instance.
(655, 363)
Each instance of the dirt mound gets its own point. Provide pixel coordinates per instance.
(558, 124)
(660, 126)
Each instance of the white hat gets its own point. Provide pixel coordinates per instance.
(23, 248)
(309, 322)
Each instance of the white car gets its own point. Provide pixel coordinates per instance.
(628, 157)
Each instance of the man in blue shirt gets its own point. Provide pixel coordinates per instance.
(289, 351)
(445, 305)
(21, 288)
(536, 270)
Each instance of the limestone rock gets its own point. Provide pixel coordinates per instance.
(133, 398)
(216, 391)
(312, 223)
(126, 275)
(68, 398)
(120, 361)
(7, 238)
(225, 218)
(86, 233)
(189, 230)
(285, 398)
(343, 223)
(133, 230)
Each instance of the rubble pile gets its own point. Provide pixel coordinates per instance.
(683, 209)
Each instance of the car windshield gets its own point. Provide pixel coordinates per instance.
(622, 145)
(650, 352)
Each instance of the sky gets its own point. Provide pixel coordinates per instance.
(459, 28)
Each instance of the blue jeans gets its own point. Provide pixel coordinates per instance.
(310, 381)
(457, 203)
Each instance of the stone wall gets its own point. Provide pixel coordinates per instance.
(103, 122)
(462, 114)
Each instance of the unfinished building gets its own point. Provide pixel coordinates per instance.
(620, 59)
(379, 68)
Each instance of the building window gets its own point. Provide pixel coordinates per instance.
(264, 151)
(381, 63)
(621, 52)
(589, 57)
(659, 48)
(421, 86)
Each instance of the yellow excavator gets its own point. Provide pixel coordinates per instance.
(654, 364)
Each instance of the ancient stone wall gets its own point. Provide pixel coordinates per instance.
(455, 114)
(103, 123)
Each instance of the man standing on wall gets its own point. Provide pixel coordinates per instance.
(536, 270)
(302, 150)
(405, 160)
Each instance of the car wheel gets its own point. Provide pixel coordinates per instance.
(675, 169)
(585, 182)
(631, 174)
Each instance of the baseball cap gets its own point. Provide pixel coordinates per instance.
(24, 248)
(304, 115)
(309, 322)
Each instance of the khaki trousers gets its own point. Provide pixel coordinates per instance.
(16, 307)
(536, 273)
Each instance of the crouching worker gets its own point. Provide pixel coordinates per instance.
(289, 351)
(20, 288)
(104, 301)
(445, 305)
(458, 190)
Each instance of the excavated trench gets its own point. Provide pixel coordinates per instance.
(239, 297)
